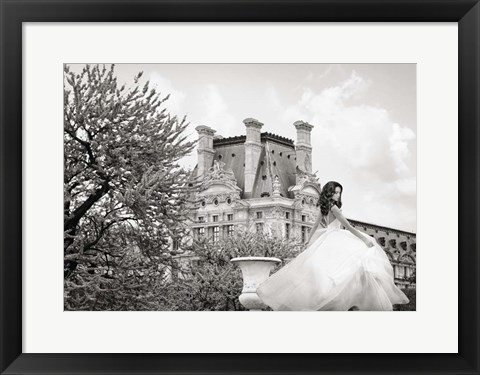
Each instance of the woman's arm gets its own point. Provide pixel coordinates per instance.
(338, 214)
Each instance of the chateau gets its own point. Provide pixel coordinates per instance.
(264, 182)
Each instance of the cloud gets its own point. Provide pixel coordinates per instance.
(357, 135)
(216, 112)
(399, 146)
(272, 98)
(388, 204)
(361, 147)
(175, 103)
(355, 85)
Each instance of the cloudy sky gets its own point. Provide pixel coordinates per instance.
(364, 118)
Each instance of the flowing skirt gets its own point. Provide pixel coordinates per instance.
(336, 272)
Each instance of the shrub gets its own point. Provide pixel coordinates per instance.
(412, 305)
(212, 281)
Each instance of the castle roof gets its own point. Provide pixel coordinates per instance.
(381, 227)
(220, 141)
(277, 158)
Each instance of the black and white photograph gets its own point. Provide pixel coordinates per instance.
(240, 187)
(243, 185)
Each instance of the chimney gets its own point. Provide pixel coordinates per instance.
(303, 147)
(205, 149)
(253, 147)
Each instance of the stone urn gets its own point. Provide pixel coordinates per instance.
(255, 270)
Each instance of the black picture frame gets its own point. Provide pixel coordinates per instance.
(14, 13)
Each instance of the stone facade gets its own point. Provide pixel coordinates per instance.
(262, 181)
(400, 247)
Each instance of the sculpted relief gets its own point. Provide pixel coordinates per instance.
(218, 173)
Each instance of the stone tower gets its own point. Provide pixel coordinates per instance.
(253, 148)
(205, 149)
(304, 146)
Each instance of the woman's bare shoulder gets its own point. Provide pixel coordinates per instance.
(335, 208)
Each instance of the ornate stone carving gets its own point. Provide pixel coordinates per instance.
(305, 176)
(217, 173)
(278, 213)
(308, 163)
(210, 198)
(276, 186)
(222, 197)
(306, 181)
(223, 185)
(306, 199)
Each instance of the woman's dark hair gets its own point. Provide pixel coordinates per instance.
(326, 202)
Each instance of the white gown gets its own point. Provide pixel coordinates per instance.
(335, 272)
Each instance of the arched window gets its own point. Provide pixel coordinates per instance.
(407, 259)
(381, 241)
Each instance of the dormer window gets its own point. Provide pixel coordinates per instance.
(259, 215)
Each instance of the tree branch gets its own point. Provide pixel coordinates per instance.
(72, 222)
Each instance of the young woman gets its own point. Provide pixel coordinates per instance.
(340, 270)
